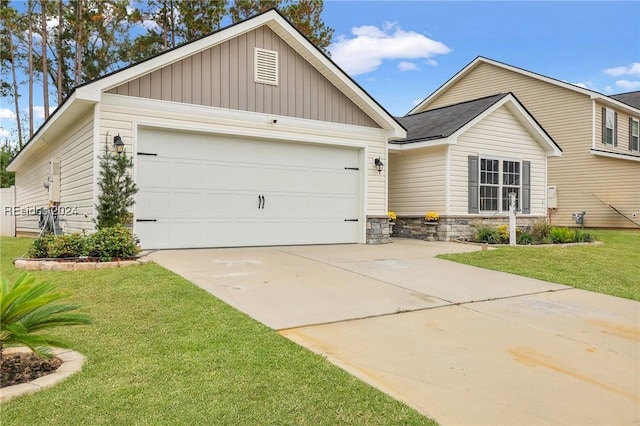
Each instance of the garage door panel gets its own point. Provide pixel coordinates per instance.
(204, 190)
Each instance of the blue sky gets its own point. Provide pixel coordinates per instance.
(401, 51)
(594, 44)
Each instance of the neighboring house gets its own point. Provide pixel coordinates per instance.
(461, 161)
(247, 137)
(599, 171)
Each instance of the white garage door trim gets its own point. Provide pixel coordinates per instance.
(308, 188)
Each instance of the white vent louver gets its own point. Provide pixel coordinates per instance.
(266, 66)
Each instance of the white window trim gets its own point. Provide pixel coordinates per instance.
(635, 120)
(613, 126)
(500, 185)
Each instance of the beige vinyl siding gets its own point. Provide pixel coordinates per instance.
(74, 149)
(417, 181)
(498, 136)
(120, 114)
(567, 116)
(222, 76)
(623, 132)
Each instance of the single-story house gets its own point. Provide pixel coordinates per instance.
(247, 137)
(599, 171)
(461, 161)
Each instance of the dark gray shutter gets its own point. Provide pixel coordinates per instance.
(526, 187)
(630, 133)
(473, 185)
(604, 125)
(615, 129)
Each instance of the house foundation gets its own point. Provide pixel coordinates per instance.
(449, 228)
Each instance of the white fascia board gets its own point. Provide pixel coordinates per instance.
(338, 77)
(393, 147)
(243, 123)
(71, 110)
(592, 94)
(615, 155)
(615, 104)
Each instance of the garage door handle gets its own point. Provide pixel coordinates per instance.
(146, 220)
(351, 220)
(260, 202)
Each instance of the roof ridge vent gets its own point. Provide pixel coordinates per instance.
(266, 66)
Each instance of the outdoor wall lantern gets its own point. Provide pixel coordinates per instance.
(379, 165)
(118, 144)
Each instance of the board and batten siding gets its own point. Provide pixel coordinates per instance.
(223, 76)
(74, 149)
(567, 116)
(120, 115)
(497, 136)
(417, 181)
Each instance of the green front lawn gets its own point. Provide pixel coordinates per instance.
(610, 268)
(162, 351)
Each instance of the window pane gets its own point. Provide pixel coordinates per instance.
(489, 198)
(505, 197)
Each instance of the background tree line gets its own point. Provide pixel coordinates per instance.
(50, 46)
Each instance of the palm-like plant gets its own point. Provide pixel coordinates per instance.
(28, 307)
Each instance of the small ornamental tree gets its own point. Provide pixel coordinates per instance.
(116, 189)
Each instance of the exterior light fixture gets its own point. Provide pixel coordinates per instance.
(379, 165)
(118, 144)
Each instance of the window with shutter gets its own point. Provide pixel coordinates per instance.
(634, 134)
(266, 66)
(609, 126)
(492, 180)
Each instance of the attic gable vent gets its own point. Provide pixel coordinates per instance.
(266, 66)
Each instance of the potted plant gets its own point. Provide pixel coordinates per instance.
(431, 217)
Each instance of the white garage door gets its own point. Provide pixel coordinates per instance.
(200, 190)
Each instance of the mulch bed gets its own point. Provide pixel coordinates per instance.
(24, 367)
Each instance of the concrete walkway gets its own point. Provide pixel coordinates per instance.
(461, 344)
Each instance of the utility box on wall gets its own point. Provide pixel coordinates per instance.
(552, 197)
(54, 180)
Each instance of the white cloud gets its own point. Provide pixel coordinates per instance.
(608, 89)
(417, 102)
(407, 66)
(583, 85)
(431, 62)
(633, 69)
(7, 113)
(38, 111)
(629, 86)
(4, 132)
(371, 46)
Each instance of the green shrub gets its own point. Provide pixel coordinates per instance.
(541, 229)
(583, 237)
(487, 234)
(503, 232)
(29, 307)
(70, 245)
(40, 247)
(525, 239)
(561, 235)
(113, 242)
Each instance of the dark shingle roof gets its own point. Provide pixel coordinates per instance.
(630, 98)
(443, 122)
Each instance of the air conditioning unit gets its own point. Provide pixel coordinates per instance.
(552, 197)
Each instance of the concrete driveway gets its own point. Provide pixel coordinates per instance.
(461, 344)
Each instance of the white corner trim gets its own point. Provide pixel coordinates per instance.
(627, 157)
(593, 124)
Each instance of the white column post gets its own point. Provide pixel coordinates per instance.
(512, 218)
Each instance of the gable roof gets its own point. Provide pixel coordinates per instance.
(480, 60)
(443, 125)
(629, 98)
(443, 122)
(88, 94)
